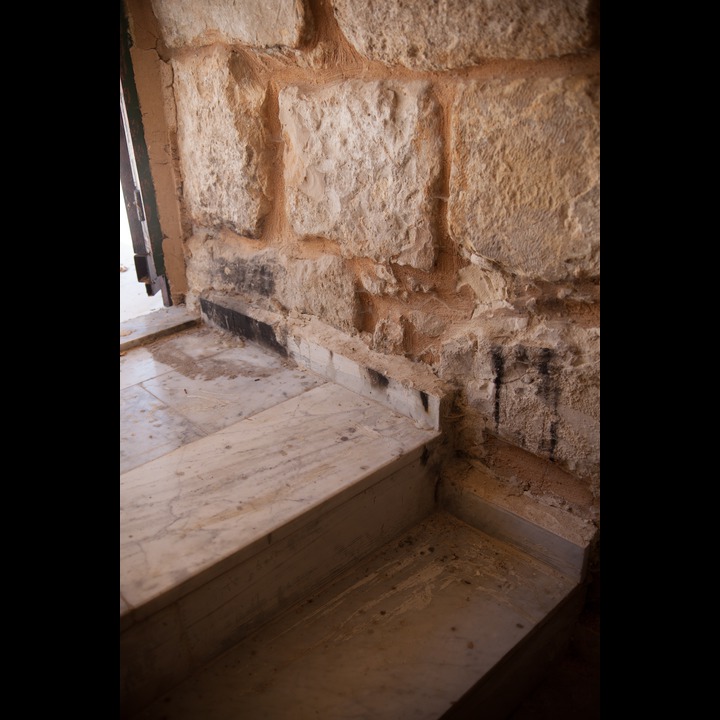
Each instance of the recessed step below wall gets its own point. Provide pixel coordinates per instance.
(552, 534)
(439, 622)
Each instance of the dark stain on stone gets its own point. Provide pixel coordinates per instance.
(543, 365)
(425, 456)
(377, 379)
(547, 387)
(552, 440)
(424, 398)
(549, 390)
(499, 370)
(239, 324)
(249, 277)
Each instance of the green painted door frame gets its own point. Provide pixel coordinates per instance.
(136, 178)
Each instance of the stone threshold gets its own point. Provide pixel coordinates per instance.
(552, 534)
(151, 326)
(185, 515)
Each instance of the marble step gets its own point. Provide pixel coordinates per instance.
(220, 534)
(443, 621)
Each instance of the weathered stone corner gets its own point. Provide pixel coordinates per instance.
(539, 392)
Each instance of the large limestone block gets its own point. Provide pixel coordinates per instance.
(322, 286)
(525, 175)
(222, 142)
(455, 33)
(259, 23)
(361, 163)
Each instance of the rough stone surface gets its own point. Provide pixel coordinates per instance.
(489, 286)
(539, 390)
(428, 324)
(361, 163)
(322, 287)
(380, 281)
(456, 33)
(259, 23)
(222, 141)
(525, 175)
(214, 263)
(388, 337)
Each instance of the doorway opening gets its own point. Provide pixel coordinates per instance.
(134, 300)
(142, 265)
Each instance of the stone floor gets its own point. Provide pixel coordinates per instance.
(193, 384)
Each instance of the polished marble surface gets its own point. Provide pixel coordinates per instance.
(180, 388)
(224, 442)
(151, 326)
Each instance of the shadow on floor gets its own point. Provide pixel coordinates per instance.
(571, 688)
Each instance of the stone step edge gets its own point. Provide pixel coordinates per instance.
(550, 534)
(407, 387)
(278, 532)
(146, 328)
(161, 649)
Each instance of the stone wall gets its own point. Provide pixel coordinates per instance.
(421, 174)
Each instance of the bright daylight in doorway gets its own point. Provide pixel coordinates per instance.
(134, 300)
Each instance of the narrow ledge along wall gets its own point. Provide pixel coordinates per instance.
(423, 177)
